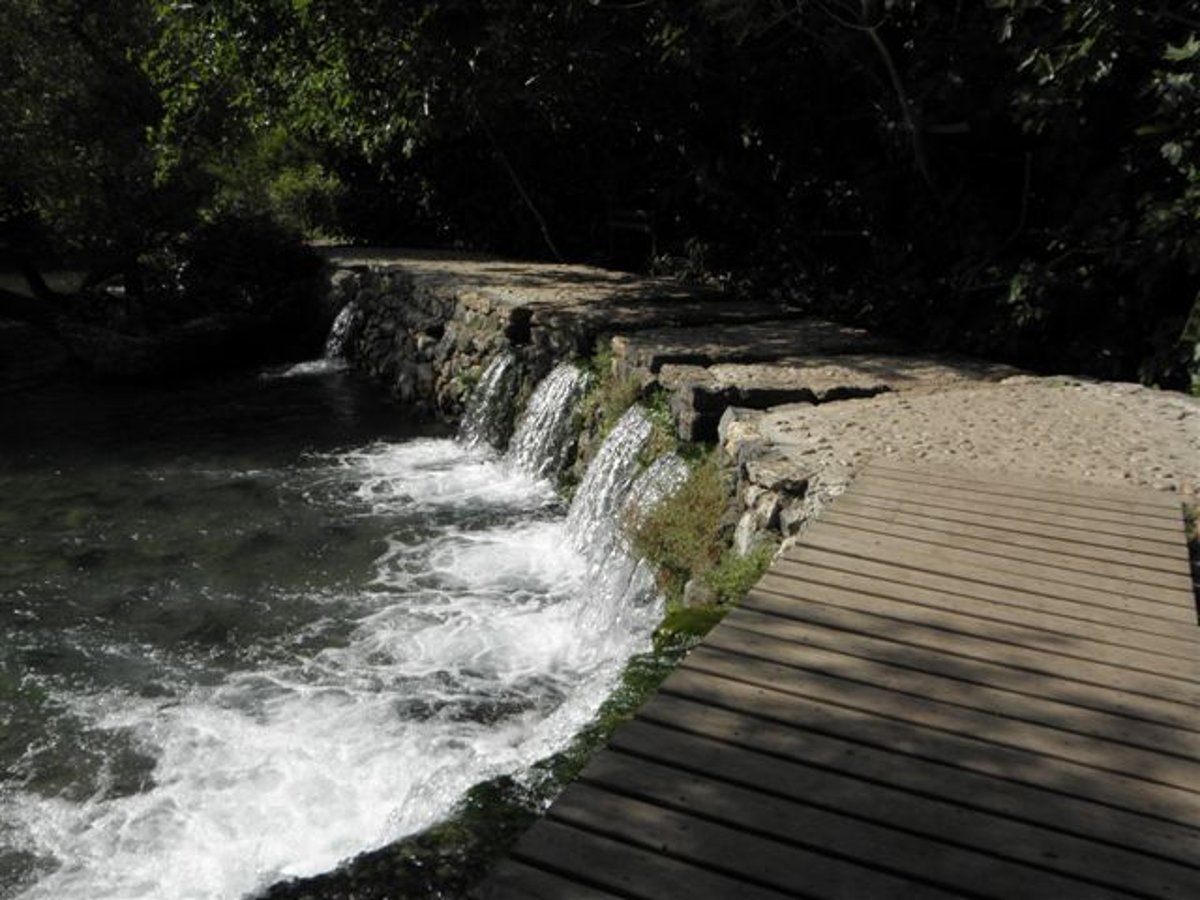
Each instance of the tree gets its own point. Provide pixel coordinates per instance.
(74, 111)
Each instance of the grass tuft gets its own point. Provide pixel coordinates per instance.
(733, 575)
(609, 396)
(682, 534)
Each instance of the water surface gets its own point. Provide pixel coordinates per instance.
(250, 628)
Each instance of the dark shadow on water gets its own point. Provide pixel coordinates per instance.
(261, 419)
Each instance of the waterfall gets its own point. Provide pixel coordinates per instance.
(344, 329)
(615, 491)
(461, 628)
(593, 520)
(627, 582)
(545, 434)
(488, 416)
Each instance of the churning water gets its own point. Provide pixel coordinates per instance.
(248, 630)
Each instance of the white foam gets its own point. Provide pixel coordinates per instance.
(468, 661)
(308, 368)
(439, 472)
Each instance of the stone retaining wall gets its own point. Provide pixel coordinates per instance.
(431, 322)
(427, 346)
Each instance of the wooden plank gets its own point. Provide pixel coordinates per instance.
(1148, 530)
(1137, 567)
(1146, 500)
(790, 581)
(626, 870)
(965, 751)
(814, 624)
(894, 666)
(513, 880)
(1158, 700)
(922, 858)
(956, 684)
(940, 818)
(968, 570)
(997, 793)
(753, 856)
(829, 567)
(954, 551)
(1085, 623)
(1112, 573)
(1160, 772)
(1066, 537)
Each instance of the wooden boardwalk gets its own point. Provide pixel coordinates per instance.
(954, 686)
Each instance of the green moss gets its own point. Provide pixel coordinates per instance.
(687, 624)
(468, 378)
(682, 535)
(656, 404)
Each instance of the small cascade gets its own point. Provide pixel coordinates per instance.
(593, 521)
(545, 435)
(343, 331)
(488, 416)
(628, 583)
(661, 478)
(489, 632)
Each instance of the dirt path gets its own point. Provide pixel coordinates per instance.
(1105, 433)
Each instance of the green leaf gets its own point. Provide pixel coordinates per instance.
(1182, 54)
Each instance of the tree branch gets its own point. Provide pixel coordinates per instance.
(914, 132)
(515, 179)
(869, 22)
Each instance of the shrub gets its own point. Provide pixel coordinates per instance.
(733, 575)
(682, 535)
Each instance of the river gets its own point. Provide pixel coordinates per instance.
(252, 626)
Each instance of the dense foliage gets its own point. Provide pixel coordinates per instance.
(1018, 177)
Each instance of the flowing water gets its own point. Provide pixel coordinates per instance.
(544, 439)
(488, 419)
(345, 327)
(251, 628)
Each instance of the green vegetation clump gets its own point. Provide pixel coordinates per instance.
(662, 438)
(733, 575)
(610, 395)
(682, 535)
(730, 580)
(686, 538)
(276, 176)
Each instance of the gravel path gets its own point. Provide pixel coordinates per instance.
(1106, 433)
